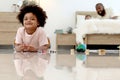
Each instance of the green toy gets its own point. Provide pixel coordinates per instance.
(81, 48)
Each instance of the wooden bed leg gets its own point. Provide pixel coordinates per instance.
(87, 51)
(101, 52)
(72, 51)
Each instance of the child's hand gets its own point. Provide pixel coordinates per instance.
(30, 48)
(19, 47)
(23, 47)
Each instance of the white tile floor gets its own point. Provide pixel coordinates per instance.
(7, 69)
(80, 72)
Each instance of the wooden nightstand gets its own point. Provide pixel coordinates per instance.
(8, 27)
(65, 40)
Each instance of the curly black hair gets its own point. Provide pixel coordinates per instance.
(36, 10)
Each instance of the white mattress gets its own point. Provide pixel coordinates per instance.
(106, 26)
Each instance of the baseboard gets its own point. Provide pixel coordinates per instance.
(6, 46)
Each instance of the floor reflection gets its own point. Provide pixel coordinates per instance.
(58, 67)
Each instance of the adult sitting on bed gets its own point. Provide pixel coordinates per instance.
(104, 13)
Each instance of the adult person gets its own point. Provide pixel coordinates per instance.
(104, 13)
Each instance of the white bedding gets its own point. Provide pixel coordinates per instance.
(105, 26)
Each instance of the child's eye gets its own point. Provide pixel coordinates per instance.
(29, 18)
(33, 19)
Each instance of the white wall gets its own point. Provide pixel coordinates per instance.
(61, 13)
(6, 5)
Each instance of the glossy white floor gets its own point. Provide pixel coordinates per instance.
(80, 72)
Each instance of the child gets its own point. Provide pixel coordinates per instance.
(31, 39)
(87, 17)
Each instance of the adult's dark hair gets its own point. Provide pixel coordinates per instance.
(36, 10)
(99, 4)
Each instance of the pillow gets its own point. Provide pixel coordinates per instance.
(80, 17)
(80, 20)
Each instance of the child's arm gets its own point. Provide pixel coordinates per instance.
(44, 48)
(23, 47)
(19, 47)
(31, 49)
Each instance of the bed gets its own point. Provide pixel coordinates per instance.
(95, 31)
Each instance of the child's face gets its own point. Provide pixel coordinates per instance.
(88, 17)
(30, 21)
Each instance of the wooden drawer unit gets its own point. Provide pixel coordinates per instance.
(8, 27)
(8, 38)
(107, 39)
(65, 39)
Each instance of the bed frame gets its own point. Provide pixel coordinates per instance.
(102, 39)
(99, 39)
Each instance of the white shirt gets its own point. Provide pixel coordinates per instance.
(108, 15)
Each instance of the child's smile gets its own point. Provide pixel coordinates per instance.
(30, 20)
